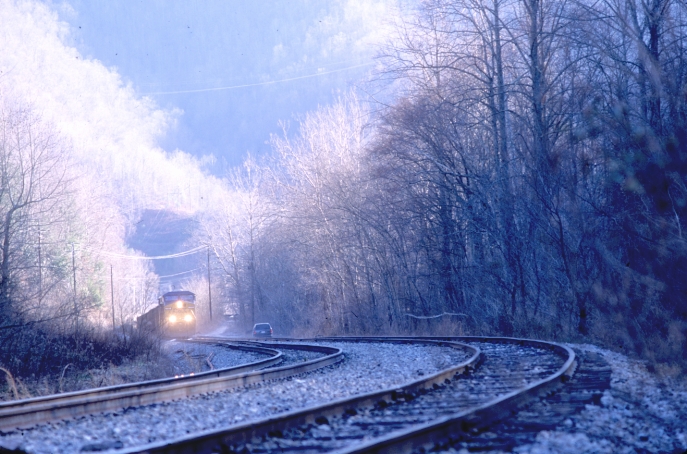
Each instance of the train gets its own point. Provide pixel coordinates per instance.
(174, 315)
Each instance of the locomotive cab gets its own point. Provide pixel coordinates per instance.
(178, 313)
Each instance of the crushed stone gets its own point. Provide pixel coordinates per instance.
(642, 412)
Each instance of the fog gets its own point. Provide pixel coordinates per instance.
(447, 166)
(218, 64)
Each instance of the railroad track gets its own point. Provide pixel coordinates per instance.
(453, 408)
(29, 412)
(425, 413)
(592, 376)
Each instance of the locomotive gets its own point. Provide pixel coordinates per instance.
(174, 315)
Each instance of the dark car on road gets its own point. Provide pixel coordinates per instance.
(262, 330)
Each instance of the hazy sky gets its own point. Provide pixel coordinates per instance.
(163, 46)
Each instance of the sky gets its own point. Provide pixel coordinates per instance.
(231, 70)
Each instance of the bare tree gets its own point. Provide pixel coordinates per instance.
(527, 177)
(33, 184)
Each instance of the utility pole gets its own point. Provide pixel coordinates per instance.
(209, 286)
(112, 295)
(76, 309)
(40, 265)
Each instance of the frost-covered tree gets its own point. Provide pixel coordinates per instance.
(34, 190)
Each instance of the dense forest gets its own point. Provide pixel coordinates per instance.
(521, 171)
(513, 167)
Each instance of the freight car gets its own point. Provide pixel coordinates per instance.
(174, 315)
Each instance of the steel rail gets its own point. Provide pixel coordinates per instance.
(426, 436)
(212, 441)
(417, 437)
(275, 358)
(33, 411)
(26, 412)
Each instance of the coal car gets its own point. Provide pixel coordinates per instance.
(174, 315)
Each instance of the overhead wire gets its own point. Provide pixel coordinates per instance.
(159, 277)
(158, 257)
(201, 90)
(180, 83)
(179, 274)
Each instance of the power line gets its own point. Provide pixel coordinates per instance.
(159, 277)
(201, 90)
(179, 274)
(196, 81)
(158, 257)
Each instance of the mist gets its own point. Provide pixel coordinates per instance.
(233, 70)
(351, 167)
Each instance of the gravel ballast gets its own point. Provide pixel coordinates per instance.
(190, 357)
(640, 413)
(367, 367)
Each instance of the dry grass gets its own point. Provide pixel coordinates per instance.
(11, 382)
(71, 379)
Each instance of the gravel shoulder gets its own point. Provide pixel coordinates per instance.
(641, 412)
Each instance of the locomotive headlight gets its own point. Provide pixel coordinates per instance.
(180, 304)
(188, 318)
(172, 319)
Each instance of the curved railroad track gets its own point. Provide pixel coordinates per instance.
(457, 407)
(29, 412)
(586, 387)
(420, 414)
